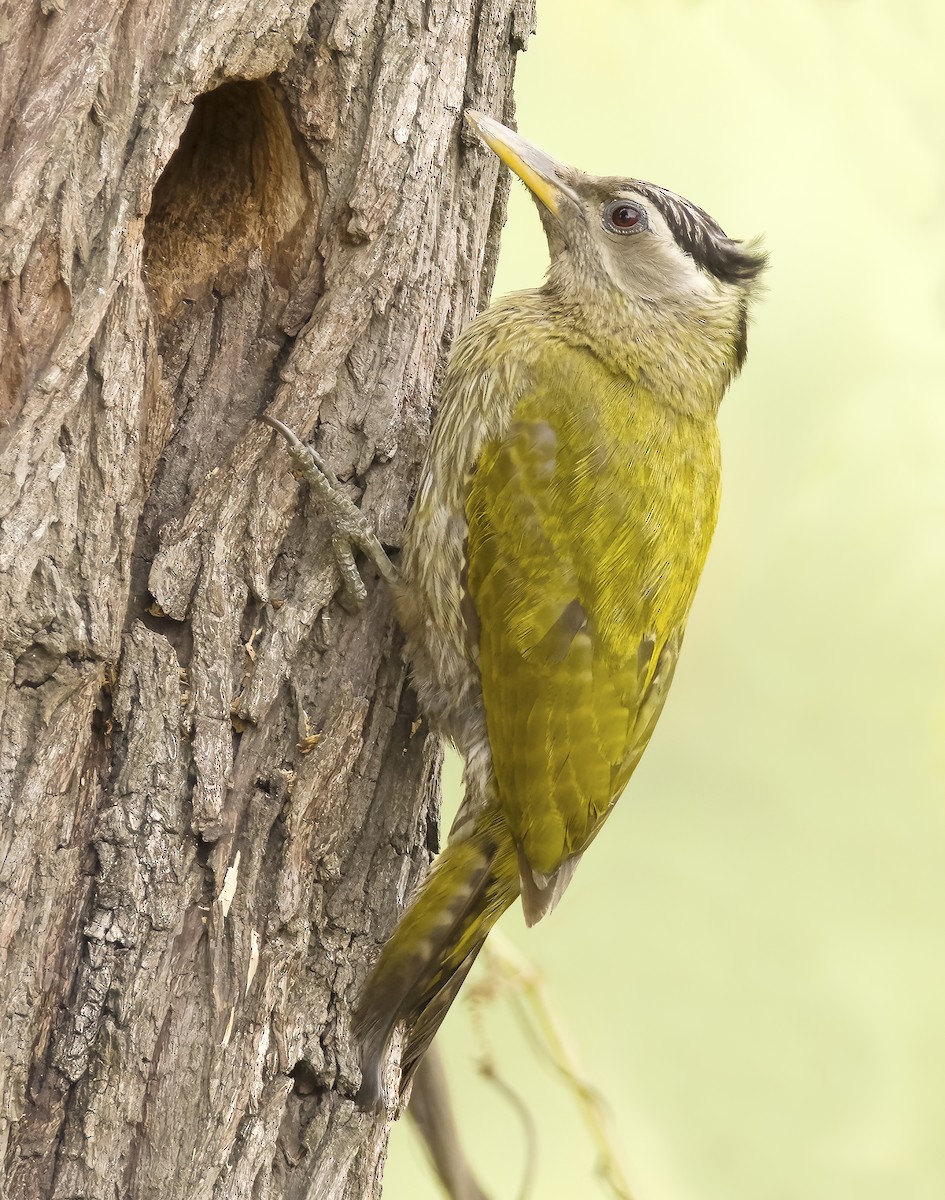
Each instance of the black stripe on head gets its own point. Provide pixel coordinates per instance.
(741, 337)
(702, 238)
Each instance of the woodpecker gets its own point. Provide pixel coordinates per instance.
(551, 557)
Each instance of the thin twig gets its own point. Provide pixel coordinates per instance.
(514, 972)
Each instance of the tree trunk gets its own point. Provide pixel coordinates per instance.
(216, 791)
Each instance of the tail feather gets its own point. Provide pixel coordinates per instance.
(540, 893)
(428, 1022)
(429, 954)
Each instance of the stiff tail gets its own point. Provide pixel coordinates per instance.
(429, 954)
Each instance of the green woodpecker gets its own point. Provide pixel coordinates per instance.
(552, 555)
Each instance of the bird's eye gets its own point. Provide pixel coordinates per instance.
(622, 216)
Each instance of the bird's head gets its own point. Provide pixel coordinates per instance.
(625, 253)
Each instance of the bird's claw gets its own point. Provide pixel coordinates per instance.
(351, 530)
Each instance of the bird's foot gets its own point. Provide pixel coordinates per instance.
(351, 530)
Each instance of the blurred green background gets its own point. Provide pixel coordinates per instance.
(751, 959)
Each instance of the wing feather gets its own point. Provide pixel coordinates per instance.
(586, 538)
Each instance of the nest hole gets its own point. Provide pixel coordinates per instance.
(234, 184)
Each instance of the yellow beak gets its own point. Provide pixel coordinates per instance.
(541, 173)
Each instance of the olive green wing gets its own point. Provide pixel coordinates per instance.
(568, 574)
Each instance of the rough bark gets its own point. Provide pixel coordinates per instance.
(215, 788)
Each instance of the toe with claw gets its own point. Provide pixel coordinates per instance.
(351, 530)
